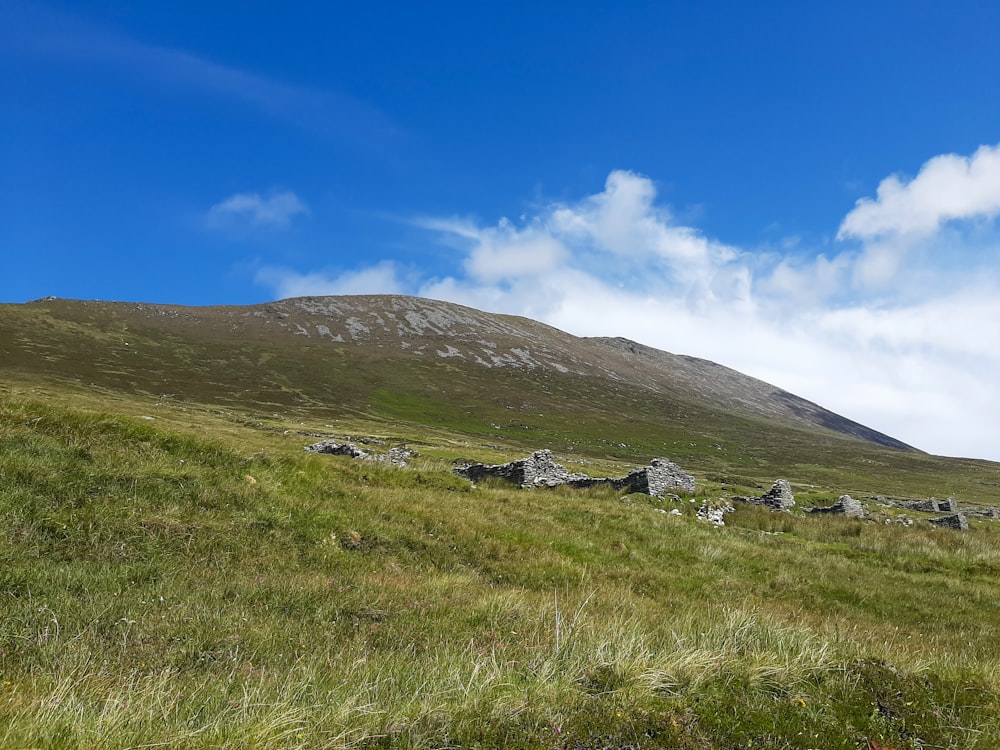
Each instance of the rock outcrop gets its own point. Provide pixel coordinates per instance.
(845, 506)
(779, 497)
(539, 470)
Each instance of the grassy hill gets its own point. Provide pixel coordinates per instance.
(175, 569)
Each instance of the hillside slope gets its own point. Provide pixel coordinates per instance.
(443, 332)
(406, 365)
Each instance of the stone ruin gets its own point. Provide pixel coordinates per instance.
(957, 521)
(539, 470)
(933, 505)
(656, 480)
(779, 497)
(845, 506)
(394, 456)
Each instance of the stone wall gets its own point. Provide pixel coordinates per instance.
(845, 506)
(539, 470)
(779, 497)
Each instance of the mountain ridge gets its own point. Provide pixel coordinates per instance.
(446, 332)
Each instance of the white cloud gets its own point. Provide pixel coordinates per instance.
(274, 210)
(918, 361)
(948, 187)
(935, 215)
(382, 278)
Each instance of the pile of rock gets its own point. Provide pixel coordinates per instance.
(714, 512)
(779, 497)
(845, 506)
(539, 470)
(395, 456)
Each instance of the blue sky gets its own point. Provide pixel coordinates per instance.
(805, 192)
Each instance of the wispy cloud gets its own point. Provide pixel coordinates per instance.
(919, 360)
(43, 33)
(273, 210)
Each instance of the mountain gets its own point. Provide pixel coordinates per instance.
(416, 332)
(397, 361)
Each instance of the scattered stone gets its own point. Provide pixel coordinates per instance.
(779, 497)
(398, 456)
(675, 512)
(539, 470)
(845, 506)
(991, 513)
(958, 521)
(900, 520)
(714, 512)
(334, 448)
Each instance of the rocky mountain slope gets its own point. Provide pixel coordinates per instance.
(429, 331)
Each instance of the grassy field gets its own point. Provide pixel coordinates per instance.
(196, 580)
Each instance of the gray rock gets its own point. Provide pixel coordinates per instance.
(714, 512)
(334, 448)
(845, 506)
(958, 521)
(398, 456)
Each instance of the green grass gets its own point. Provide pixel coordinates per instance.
(198, 580)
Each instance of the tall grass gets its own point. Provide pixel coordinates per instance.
(161, 587)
